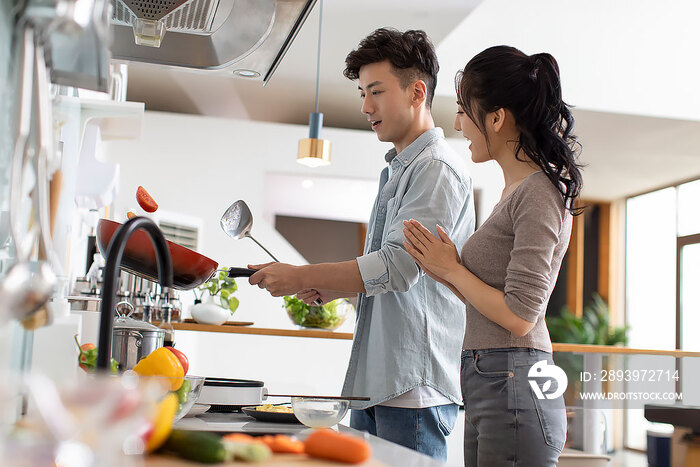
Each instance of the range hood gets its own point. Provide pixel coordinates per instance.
(247, 38)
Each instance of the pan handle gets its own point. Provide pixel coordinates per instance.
(241, 272)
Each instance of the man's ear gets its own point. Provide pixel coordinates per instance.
(420, 93)
(497, 119)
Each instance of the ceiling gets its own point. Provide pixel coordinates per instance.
(627, 149)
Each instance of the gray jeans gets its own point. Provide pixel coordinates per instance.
(505, 423)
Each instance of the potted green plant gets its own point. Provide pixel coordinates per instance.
(217, 303)
(592, 327)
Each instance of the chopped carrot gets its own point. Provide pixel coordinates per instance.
(282, 444)
(331, 445)
(240, 438)
(130, 214)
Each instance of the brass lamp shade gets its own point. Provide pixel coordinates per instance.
(314, 152)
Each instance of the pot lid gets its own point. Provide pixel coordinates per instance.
(125, 321)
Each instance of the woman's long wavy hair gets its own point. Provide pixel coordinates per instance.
(528, 86)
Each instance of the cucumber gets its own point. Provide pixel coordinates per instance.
(197, 446)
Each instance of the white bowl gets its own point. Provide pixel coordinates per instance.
(197, 409)
(318, 412)
(209, 313)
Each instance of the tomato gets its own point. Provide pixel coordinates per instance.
(182, 357)
(145, 201)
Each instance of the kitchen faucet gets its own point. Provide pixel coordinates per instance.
(115, 252)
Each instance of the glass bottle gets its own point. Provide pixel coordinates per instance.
(147, 308)
(172, 297)
(166, 315)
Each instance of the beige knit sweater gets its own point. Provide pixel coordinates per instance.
(519, 250)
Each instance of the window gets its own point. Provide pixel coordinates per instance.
(662, 273)
(688, 210)
(650, 271)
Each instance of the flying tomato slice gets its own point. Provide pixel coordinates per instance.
(145, 200)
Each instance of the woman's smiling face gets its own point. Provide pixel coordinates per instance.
(477, 141)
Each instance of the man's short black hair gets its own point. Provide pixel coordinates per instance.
(411, 54)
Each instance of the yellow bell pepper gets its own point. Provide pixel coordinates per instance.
(162, 422)
(162, 362)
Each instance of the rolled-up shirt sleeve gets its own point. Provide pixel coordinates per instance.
(435, 195)
(537, 223)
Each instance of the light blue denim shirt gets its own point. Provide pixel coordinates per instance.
(409, 328)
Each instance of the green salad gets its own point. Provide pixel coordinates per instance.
(328, 316)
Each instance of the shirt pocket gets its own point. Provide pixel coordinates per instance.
(390, 214)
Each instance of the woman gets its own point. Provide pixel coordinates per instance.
(511, 111)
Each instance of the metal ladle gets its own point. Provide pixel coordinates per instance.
(237, 222)
(27, 286)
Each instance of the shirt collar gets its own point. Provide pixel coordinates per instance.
(406, 156)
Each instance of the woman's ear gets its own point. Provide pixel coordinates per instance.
(497, 119)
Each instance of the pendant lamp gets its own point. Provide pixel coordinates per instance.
(314, 151)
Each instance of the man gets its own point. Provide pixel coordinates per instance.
(409, 328)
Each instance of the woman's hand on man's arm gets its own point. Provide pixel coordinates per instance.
(309, 296)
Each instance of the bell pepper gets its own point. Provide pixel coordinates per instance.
(162, 362)
(87, 360)
(87, 357)
(162, 420)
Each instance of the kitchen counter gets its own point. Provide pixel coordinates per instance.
(383, 452)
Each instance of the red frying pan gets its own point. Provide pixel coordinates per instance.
(190, 269)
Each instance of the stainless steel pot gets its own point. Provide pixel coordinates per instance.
(133, 339)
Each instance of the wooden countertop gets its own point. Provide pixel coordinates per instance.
(242, 328)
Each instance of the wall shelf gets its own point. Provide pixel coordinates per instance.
(318, 333)
(117, 120)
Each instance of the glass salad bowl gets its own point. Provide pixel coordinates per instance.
(188, 394)
(316, 412)
(329, 316)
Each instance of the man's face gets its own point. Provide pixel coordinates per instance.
(388, 107)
